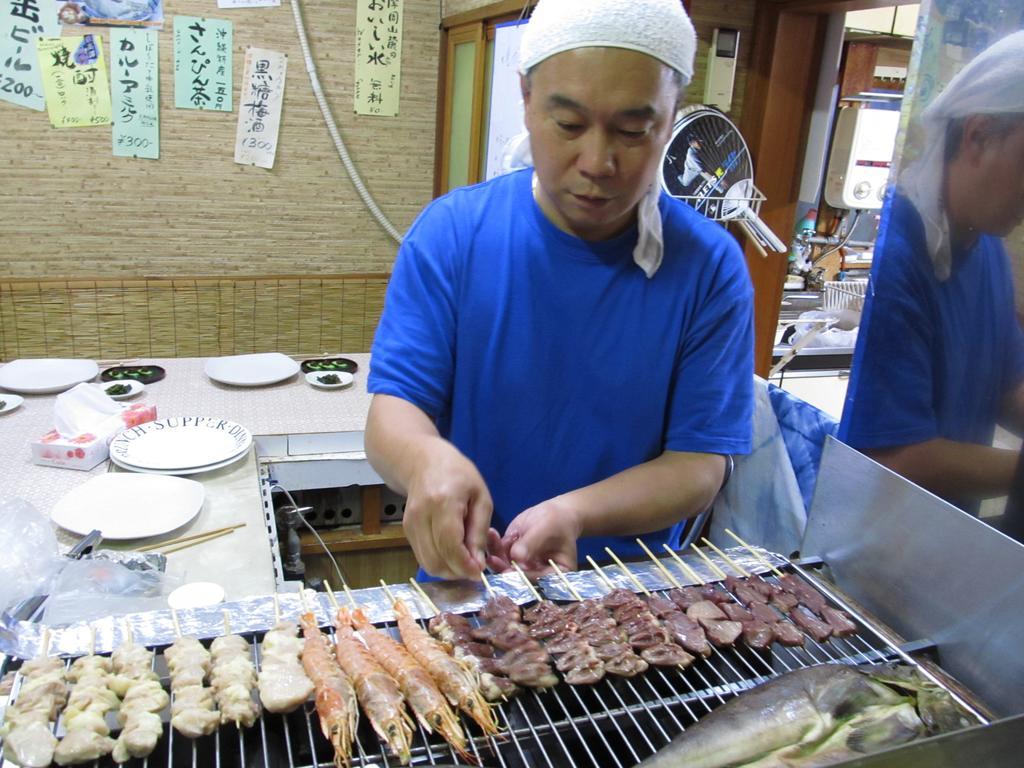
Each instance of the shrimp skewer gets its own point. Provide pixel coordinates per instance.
(379, 695)
(459, 684)
(335, 699)
(420, 690)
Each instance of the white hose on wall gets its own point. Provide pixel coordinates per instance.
(332, 128)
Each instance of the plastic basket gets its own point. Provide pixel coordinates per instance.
(844, 294)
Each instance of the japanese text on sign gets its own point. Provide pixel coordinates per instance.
(378, 56)
(259, 107)
(75, 81)
(21, 23)
(135, 93)
(202, 63)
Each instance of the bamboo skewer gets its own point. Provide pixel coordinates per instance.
(182, 539)
(420, 593)
(715, 570)
(691, 574)
(601, 574)
(277, 609)
(332, 599)
(629, 573)
(487, 583)
(527, 582)
(668, 574)
(565, 581)
(177, 625)
(731, 563)
(755, 553)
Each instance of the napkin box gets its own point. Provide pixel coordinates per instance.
(87, 450)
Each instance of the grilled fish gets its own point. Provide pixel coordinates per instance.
(809, 717)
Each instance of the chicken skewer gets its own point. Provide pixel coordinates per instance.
(27, 733)
(142, 699)
(455, 631)
(87, 735)
(282, 683)
(421, 692)
(233, 678)
(193, 710)
(378, 694)
(460, 685)
(336, 703)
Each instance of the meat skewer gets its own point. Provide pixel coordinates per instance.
(193, 710)
(418, 687)
(573, 655)
(142, 699)
(645, 632)
(233, 678)
(87, 735)
(27, 733)
(794, 591)
(282, 682)
(457, 683)
(336, 704)
(454, 630)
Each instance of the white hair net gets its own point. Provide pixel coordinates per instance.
(659, 28)
(992, 83)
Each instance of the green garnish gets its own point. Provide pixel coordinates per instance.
(118, 389)
(330, 378)
(3, 403)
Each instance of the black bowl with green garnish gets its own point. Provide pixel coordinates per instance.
(147, 374)
(330, 365)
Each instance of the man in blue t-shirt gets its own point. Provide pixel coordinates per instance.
(564, 361)
(940, 354)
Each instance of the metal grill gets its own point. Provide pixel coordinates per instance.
(619, 721)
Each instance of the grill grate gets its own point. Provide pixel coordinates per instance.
(619, 721)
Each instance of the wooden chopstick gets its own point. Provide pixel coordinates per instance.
(200, 540)
(182, 539)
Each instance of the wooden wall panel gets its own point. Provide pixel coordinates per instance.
(68, 207)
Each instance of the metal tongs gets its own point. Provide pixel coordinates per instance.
(29, 608)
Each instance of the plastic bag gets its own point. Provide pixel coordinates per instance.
(88, 589)
(30, 557)
(843, 332)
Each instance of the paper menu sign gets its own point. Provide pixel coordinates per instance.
(259, 107)
(75, 80)
(378, 62)
(135, 92)
(21, 23)
(202, 63)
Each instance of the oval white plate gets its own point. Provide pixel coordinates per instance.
(134, 388)
(129, 506)
(251, 370)
(182, 471)
(180, 443)
(345, 379)
(10, 402)
(46, 376)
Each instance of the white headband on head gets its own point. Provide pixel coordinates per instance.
(991, 84)
(659, 28)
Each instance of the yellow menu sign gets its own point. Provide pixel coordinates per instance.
(74, 80)
(378, 56)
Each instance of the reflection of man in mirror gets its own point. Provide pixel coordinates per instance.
(940, 355)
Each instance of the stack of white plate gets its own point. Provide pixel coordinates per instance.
(181, 445)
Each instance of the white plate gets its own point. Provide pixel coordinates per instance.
(196, 594)
(10, 402)
(180, 443)
(345, 379)
(45, 376)
(251, 370)
(127, 506)
(184, 470)
(134, 388)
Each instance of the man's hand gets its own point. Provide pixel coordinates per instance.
(447, 513)
(547, 531)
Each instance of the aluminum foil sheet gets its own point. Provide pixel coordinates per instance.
(587, 584)
(25, 640)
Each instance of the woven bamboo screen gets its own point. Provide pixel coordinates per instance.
(193, 317)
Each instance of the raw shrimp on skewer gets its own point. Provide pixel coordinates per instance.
(379, 695)
(335, 698)
(456, 682)
(426, 700)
